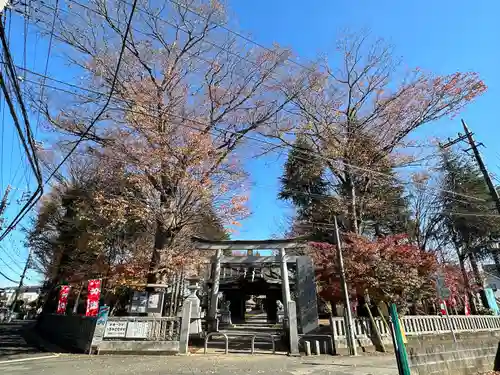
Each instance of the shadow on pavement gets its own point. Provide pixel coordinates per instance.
(13, 343)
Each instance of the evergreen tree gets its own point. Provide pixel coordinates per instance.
(382, 207)
(303, 184)
(387, 208)
(465, 216)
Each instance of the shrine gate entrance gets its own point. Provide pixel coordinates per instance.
(276, 280)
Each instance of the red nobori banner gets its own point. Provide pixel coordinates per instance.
(63, 299)
(93, 297)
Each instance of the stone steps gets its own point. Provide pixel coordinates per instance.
(254, 328)
(240, 341)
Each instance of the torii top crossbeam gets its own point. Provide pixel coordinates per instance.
(204, 244)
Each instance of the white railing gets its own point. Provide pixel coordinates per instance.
(418, 325)
(421, 325)
(144, 328)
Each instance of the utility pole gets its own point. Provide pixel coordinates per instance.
(16, 294)
(351, 341)
(468, 136)
(487, 179)
(479, 159)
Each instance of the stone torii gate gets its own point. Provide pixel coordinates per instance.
(307, 305)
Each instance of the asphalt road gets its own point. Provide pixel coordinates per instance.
(199, 364)
(18, 357)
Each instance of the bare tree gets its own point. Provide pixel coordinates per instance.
(187, 95)
(359, 113)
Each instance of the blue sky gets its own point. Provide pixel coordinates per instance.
(440, 36)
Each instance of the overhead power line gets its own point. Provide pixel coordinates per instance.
(283, 146)
(11, 70)
(247, 137)
(8, 278)
(29, 143)
(166, 22)
(31, 203)
(8, 266)
(49, 52)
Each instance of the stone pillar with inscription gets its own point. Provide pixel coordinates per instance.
(214, 296)
(307, 303)
(293, 334)
(185, 324)
(285, 284)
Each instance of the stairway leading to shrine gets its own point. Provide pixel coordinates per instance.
(240, 335)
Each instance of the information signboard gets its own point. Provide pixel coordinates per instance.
(139, 302)
(116, 329)
(137, 330)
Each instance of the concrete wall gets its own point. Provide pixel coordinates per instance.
(71, 332)
(74, 333)
(122, 346)
(439, 355)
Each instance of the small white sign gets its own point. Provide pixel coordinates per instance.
(115, 329)
(153, 300)
(137, 330)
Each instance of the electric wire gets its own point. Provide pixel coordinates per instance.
(304, 152)
(31, 203)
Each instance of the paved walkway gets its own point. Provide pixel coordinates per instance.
(200, 364)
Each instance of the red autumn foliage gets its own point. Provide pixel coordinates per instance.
(389, 268)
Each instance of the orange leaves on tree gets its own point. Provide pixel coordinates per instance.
(390, 268)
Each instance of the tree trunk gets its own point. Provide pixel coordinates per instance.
(352, 206)
(161, 239)
(77, 301)
(478, 278)
(472, 299)
(376, 337)
(475, 269)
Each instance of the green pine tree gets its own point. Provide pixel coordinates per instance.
(304, 185)
(468, 218)
(382, 204)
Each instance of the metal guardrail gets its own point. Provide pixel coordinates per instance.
(260, 335)
(252, 341)
(216, 334)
